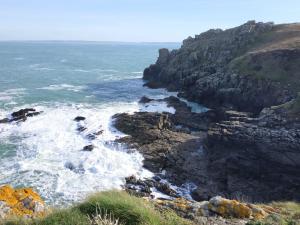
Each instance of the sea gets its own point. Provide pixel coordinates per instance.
(65, 80)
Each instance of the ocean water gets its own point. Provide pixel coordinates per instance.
(65, 80)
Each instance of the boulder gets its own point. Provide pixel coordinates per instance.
(88, 148)
(20, 203)
(79, 118)
(145, 99)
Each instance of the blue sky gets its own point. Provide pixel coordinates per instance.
(133, 20)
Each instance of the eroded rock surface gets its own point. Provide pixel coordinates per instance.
(20, 203)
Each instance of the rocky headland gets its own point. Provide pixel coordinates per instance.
(247, 146)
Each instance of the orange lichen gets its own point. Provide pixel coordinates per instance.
(231, 208)
(178, 204)
(22, 202)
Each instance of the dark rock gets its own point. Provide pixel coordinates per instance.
(88, 148)
(72, 167)
(22, 112)
(143, 187)
(21, 115)
(94, 135)
(163, 148)
(81, 128)
(33, 114)
(145, 99)
(166, 189)
(5, 120)
(79, 118)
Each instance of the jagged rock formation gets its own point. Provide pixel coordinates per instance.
(250, 77)
(21, 115)
(246, 68)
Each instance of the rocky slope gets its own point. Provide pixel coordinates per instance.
(247, 68)
(248, 144)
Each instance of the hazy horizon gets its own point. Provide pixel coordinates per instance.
(138, 21)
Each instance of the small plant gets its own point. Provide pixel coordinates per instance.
(102, 217)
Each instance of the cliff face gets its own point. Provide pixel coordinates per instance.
(250, 75)
(246, 68)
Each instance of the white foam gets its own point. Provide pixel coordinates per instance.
(156, 106)
(48, 142)
(60, 87)
(10, 94)
(48, 145)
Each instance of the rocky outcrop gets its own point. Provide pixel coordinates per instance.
(20, 203)
(20, 116)
(249, 77)
(153, 135)
(233, 68)
(255, 157)
(239, 154)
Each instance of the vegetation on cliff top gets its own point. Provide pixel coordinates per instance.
(288, 213)
(275, 55)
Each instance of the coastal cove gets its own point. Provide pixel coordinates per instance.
(64, 81)
(207, 133)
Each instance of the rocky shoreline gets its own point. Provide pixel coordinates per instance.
(247, 145)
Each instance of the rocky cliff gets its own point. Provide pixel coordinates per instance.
(250, 75)
(247, 68)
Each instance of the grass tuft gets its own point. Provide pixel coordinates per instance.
(107, 208)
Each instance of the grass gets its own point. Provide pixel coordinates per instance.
(292, 107)
(113, 208)
(288, 214)
(274, 56)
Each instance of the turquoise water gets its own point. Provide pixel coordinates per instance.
(65, 80)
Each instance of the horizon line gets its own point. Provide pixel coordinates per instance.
(91, 41)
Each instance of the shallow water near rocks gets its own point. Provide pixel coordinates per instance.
(66, 80)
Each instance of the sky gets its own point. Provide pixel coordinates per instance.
(134, 20)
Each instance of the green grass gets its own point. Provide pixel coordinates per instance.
(292, 107)
(288, 214)
(129, 210)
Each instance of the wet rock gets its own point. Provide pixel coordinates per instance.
(79, 118)
(33, 114)
(76, 169)
(94, 135)
(144, 187)
(81, 128)
(21, 115)
(166, 189)
(5, 120)
(20, 202)
(22, 112)
(70, 166)
(145, 99)
(88, 148)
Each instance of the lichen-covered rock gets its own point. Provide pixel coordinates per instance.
(215, 207)
(20, 202)
(229, 208)
(235, 209)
